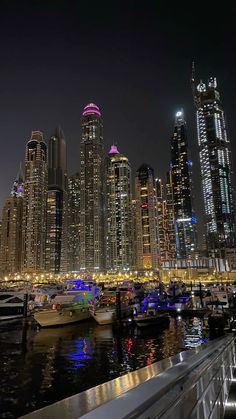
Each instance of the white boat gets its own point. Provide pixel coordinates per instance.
(105, 311)
(66, 309)
(11, 305)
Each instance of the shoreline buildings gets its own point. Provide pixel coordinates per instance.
(91, 223)
(119, 245)
(146, 219)
(182, 195)
(11, 229)
(92, 193)
(34, 208)
(73, 222)
(216, 170)
(56, 231)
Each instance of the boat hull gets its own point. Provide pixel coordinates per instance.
(148, 321)
(104, 317)
(49, 318)
(13, 311)
(108, 316)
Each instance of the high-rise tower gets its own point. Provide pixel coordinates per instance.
(11, 241)
(56, 204)
(92, 206)
(170, 218)
(146, 218)
(182, 194)
(215, 161)
(162, 221)
(73, 221)
(118, 211)
(34, 212)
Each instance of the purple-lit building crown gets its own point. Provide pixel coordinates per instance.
(114, 149)
(91, 108)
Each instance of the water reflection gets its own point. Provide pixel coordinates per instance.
(40, 367)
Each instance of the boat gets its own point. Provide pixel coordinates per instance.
(176, 287)
(11, 304)
(152, 317)
(66, 309)
(105, 311)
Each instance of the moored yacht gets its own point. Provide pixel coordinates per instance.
(66, 309)
(105, 310)
(152, 318)
(70, 307)
(11, 304)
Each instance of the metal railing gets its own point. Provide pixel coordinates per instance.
(192, 384)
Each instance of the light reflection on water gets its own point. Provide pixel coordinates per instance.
(39, 367)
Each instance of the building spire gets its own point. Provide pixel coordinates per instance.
(193, 83)
(58, 132)
(17, 187)
(20, 175)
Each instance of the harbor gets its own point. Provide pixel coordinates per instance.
(64, 338)
(40, 366)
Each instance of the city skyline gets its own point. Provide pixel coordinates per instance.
(102, 54)
(117, 209)
(179, 164)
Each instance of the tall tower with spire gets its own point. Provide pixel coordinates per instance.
(182, 193)
(216, 168)
(11, 241)
(56, 246)
(118, 211)
(34, 212)
(92, 199)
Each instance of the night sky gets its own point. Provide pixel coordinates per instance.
(132, 58)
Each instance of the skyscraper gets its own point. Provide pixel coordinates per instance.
(56, 204)
(170, 218)
(73, 222)
(34, 211)
(92, 182)
(215, 161)
(118, 211)
(161, 219)
(11, 241)
(182, 194)
(146, 218)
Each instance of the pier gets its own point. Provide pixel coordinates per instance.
(196, 383)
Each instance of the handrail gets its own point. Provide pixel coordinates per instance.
(187, 367)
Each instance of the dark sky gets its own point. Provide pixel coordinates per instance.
(132, 58)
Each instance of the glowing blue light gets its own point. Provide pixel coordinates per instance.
(82, 347)
(190, 163)
(194, 219)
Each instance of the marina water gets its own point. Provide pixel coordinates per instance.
(41, 366)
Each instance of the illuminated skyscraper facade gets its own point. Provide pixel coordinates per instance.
(92, 183)
(162, 221)
(118, 211)
(170, 219)
(182, 194)
(215, 161)
(73, 222)
(34, 212)
(146, 218)
(56, 246)
(11, 240)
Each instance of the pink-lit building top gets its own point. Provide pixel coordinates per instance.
(91, 108)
